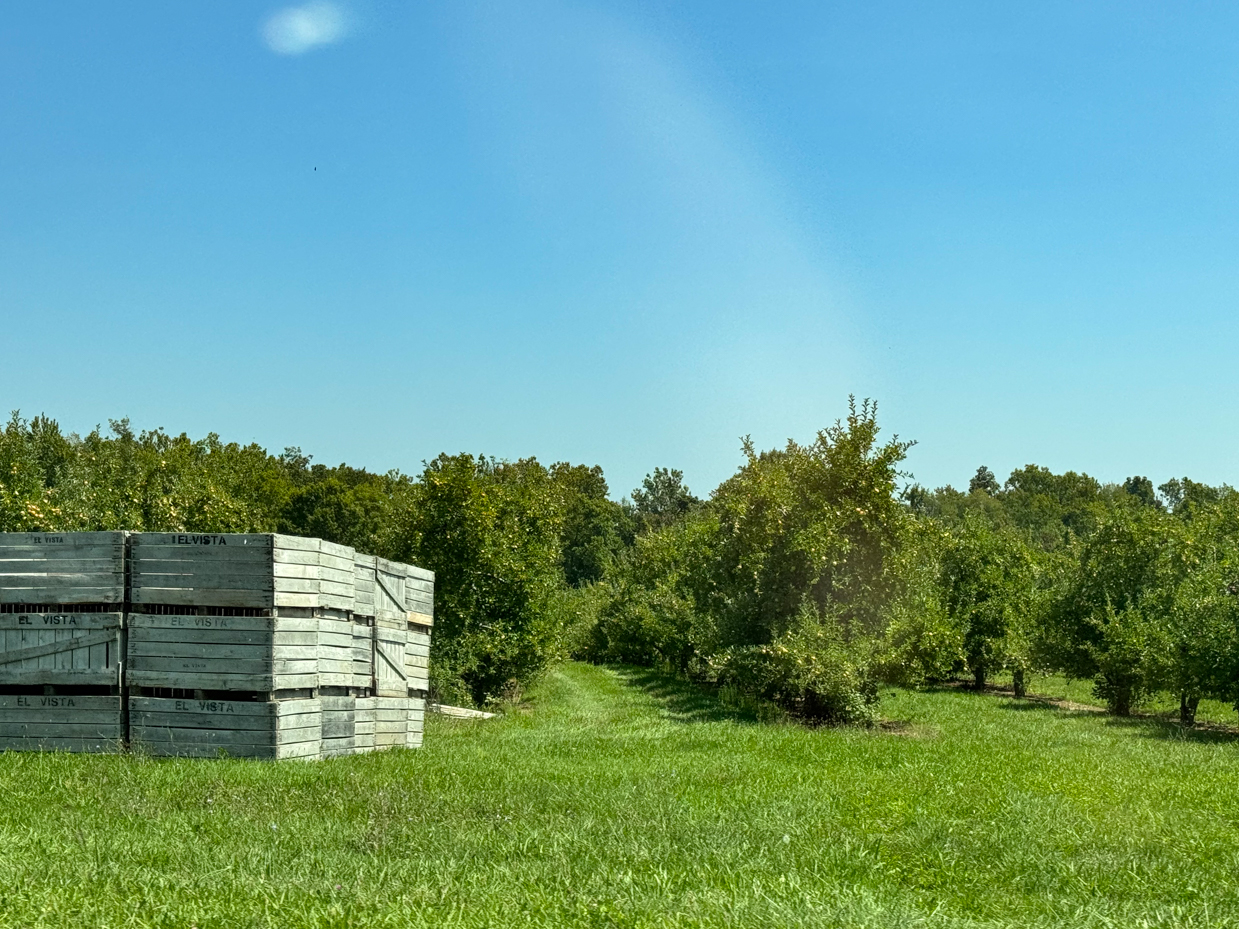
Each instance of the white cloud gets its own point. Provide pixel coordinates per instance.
(297, 29)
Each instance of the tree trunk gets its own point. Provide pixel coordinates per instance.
(978, 677)
(1017, 681)
(1187, 709)
(1120, 702)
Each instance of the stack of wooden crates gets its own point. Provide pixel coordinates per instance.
(262, 646)
(62, 640)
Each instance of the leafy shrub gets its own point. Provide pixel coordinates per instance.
(810, 670)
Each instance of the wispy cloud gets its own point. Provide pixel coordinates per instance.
(295, 30)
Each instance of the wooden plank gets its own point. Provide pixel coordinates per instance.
(207, 664)
(60, 620)
(43, 730)
(296, 543)
(109, 594)
(218, 680)
(229, 623)
(86, 677)
(94, 746)
(233, 541)
(223, 708)
(61, 540)
(224, 737)
(140, 650)
(421, 574)
(203, 597)
(223, 637)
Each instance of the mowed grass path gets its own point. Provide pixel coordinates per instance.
(621, 798)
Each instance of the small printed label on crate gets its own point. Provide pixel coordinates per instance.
(204, 706)
(199, 622)
(48, 619)
(48, 540)
(200, 540)
(45, 701)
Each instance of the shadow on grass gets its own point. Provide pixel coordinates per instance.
(1171, 730)
(1144, 725)
(681, 700)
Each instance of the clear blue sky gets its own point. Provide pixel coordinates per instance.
(629, 233)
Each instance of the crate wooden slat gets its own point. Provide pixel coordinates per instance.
(230, 653)
(363, 653)
(61, 648)
(238, 728)
(258, 571)
(62, 568)
(31, 722)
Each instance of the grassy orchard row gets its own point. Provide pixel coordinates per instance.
(808, 578)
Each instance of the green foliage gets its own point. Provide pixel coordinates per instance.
(662, 500)
(490, 531)
(987, 580)
(811, 669)
(596, 529)
(649, 613)
(804, 531)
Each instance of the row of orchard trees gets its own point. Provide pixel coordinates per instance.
(808, 578)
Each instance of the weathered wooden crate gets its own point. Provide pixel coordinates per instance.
(364, 713)
(178, 648)
(391, 722)
(208, 728)
(417, 721)
(417, 659)
(67, 723)
(62, 568)
(339, 725)
(38, 646)
(240, 570)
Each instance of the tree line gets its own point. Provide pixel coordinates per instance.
(809, 578)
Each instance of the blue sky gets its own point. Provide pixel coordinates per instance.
(629, 233)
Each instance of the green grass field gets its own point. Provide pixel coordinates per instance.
(622, 798)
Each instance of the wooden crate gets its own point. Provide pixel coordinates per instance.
(364, 713)
(391, 722)
(417, 721)
(62, 568)
(225, 653)
(240, 570)
(339, 725)
(68, 723)
(417, 659)
(84, 649)
(208, 728)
